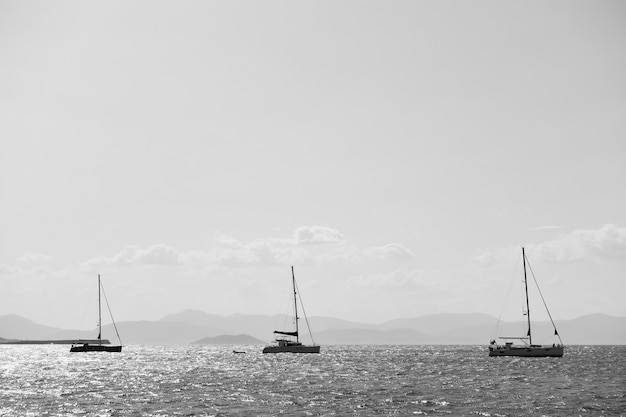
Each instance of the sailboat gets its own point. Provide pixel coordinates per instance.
(289, 341)
(100, 345)
(526, 347)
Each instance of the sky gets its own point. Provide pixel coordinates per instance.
(398, 154)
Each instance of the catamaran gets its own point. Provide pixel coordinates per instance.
(289, 341)
(526, 347)
(100, 345)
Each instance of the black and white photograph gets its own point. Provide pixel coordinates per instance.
(312, 208)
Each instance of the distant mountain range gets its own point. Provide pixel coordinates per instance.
(240, 339)
(192, 326)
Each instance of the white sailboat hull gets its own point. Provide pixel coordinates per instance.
(527, 351)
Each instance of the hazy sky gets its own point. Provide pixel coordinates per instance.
(397, 153)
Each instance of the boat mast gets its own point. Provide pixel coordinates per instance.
(99, 314)
(530, 338)
(295, 303)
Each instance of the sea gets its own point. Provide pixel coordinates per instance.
(48, 380)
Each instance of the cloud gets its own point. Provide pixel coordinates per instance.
(232, 253)
(25, 270)
(307, 245)
(31, 258)
(8, 270)
(399, 278)
(317, 235)
(606, 243)
(267, 252)
(486, 258)
(158, 254)
(390, 251)
(340, 253)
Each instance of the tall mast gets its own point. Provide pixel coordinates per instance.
(295, 303)
(99, 314)
(530, 338)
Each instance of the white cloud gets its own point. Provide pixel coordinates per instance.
(232, 253)
(317, 234)
(31, 258)
(399, 278)
(390, 251)
(8, 270)
(266, 252)
(126, 257)
(340, 253)
(309, 244)
(486, 258)
(158, 254)
(608, 242)
(605, 243)
(30, 269)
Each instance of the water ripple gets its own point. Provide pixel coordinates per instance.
(342, 380)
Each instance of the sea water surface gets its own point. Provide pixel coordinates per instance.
(342, 380)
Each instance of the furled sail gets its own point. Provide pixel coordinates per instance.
(286, 333)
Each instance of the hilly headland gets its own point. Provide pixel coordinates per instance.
(193, 326)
